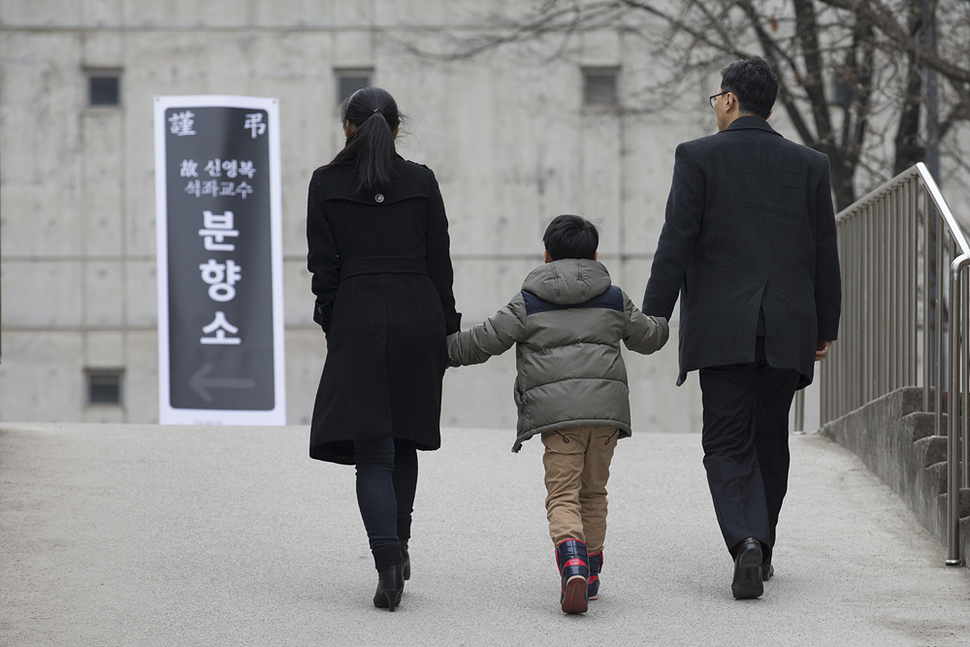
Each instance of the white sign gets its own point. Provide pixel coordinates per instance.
(220, 261)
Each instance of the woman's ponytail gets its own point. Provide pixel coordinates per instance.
(374, 114)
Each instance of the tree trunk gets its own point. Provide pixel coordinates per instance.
(842, 174)
(909, 149)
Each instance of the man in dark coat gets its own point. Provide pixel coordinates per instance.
(749, 245)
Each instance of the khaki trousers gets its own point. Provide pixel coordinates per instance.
(577, 462)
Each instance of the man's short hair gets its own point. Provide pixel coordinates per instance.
(753, 83)
(569, 236)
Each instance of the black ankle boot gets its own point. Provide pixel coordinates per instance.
(390, 587)
(403, 535)
(390, 583)
(406, 565)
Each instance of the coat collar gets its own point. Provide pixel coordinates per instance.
(751, 122)
(342, 184)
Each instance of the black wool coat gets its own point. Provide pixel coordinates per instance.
(382, 277)
(749, 228)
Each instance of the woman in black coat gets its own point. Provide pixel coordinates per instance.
(378, 251)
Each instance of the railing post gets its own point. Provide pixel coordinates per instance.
(912, 331)
(935, 324)
(958, 320)
(963, 362)
(800, 410)
(927, 301)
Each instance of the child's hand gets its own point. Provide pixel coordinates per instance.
(452, 341)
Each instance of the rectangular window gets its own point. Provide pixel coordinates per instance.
(351, 80)
(104, 88)
(104, 386)
(601, 86)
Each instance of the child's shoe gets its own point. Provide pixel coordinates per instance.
(595, 566)
(573, 565)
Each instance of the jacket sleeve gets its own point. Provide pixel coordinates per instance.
(682, 224)
(828, 276)
(322, 259)
(439, 258)
(643, 333)
(493, 337)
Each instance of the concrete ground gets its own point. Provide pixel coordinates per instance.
(227, 536)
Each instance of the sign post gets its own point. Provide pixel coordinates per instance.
(220, 261)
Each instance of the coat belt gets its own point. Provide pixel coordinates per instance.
(383, 265)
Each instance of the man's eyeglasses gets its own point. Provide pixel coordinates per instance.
(715, 96)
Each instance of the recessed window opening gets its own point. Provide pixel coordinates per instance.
(104, 88)
(351, 80)
(104, 386)
(600, 86)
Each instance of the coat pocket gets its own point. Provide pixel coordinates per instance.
(604, 439)
(521, 401)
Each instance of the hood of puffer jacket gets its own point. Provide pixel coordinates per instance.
(568, 281)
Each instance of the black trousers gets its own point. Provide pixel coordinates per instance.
(387, 476)
(745, 440)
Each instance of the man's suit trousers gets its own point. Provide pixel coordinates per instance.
(745, 440)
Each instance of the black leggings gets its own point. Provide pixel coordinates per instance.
(387, 476)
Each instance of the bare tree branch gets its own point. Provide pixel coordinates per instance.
(814, 46)
(807, 32)
(878, 15)
(772, 54)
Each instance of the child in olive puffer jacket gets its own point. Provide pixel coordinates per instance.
(571, 388)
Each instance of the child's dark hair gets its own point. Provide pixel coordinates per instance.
(569, 236)
(374, 113)
(753, 83)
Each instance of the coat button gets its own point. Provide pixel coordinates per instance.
(379, 198)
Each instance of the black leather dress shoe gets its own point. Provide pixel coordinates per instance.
(747, 582)
(767, 571)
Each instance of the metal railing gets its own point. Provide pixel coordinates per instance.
(905, 293)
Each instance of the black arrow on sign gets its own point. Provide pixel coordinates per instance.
(199, 383)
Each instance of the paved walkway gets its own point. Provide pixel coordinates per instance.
(213, 536)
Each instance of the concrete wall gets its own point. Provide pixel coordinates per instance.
(895, 437)
(507, 134)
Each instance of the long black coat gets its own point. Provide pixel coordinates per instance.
(382, 278)
(749, 226)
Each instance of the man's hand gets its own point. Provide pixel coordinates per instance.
(822, 350)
